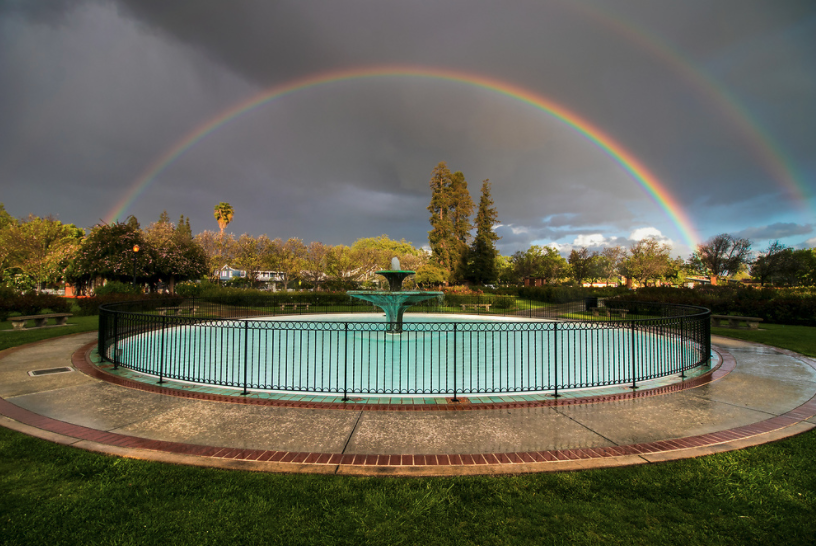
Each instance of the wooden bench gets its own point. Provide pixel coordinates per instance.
(191, 309)
(733, 322)
(475, 306)
(294, 306)
(19, 323)
(608, 311)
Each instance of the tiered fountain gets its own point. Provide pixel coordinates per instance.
(394, 302)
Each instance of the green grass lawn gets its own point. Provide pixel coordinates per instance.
(12, 338)
(52, 494)
(801, 339)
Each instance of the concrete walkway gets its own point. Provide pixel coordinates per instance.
(759, 394)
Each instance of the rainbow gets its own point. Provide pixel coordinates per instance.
(768, 153)
(638, 171)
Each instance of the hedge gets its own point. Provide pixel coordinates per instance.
(774, 306)
(31, 304)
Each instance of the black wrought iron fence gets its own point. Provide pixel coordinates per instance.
(582, 344)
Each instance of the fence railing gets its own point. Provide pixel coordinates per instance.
(583, 344)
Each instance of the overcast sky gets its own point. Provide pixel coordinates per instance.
(716, 98)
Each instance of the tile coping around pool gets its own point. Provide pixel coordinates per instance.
(87, 360)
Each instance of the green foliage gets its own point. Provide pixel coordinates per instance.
(116, 287)
(450, 208)
(564, 294)
(31, 304)
(539, 262)
(775, 306)
(144, 302)
(722, 255)
(189, 289)
(481, 258)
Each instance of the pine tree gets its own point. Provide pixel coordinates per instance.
(481, 261)
(450, 208)
(164, 218)
(183, 229)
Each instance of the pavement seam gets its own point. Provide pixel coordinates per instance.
(348, 440)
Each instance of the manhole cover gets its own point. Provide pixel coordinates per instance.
(64, 369)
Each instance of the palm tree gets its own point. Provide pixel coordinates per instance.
(223, 214)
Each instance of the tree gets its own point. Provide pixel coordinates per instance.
(769, 267)
(40, 249)
(586, 265)
(481, 260)
(314, 263)
(223, 215)
(173, 256)
(183, 229)
(290, 259)
(251, 254)
(611, 260)
(6, 241)
(107, 253)
(648, 259)
(722, 255)
(450, 208)
(539, 262)
(219, 251)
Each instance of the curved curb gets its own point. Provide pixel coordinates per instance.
(772, 429)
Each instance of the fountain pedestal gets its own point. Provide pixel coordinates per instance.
(394, 302)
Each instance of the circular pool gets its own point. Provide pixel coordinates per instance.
(436, 354)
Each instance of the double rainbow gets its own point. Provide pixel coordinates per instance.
(638, 171)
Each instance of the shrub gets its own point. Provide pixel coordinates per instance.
(189, 289)
(32, 304)
(117, 287)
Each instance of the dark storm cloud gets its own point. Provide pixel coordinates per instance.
(94, 92)
(775, 231)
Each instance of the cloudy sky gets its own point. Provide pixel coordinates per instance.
(597, 122)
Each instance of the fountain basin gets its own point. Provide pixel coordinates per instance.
(394, 304)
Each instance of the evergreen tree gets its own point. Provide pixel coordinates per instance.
(481, 263)
(450, 208)
(164, 218)
(183, 229)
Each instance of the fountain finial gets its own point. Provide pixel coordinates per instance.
(395, 265)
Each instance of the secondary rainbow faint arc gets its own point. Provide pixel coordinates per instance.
(641, 174)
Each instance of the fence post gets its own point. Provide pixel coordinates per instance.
(454, 363)
(163, 356)
(633, 352)
(682, 339)
(246, 356)
(555, 357)
(115, 341)
(345, 366)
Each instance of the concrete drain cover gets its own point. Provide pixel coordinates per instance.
(64, 369)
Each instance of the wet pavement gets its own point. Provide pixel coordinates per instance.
(759, 394)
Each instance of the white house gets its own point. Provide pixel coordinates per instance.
(227, 273)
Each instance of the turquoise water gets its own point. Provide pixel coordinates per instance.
(435, 354)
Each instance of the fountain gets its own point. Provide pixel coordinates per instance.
(394, 301)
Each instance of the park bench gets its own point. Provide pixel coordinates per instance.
(608, 311)
(191, 309)
(40, 321)
(294, 306)
(476, 306)
(733, 322)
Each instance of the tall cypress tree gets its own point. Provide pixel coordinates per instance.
(481, 262)
(450, 208)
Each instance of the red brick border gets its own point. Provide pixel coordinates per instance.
(471, 460)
